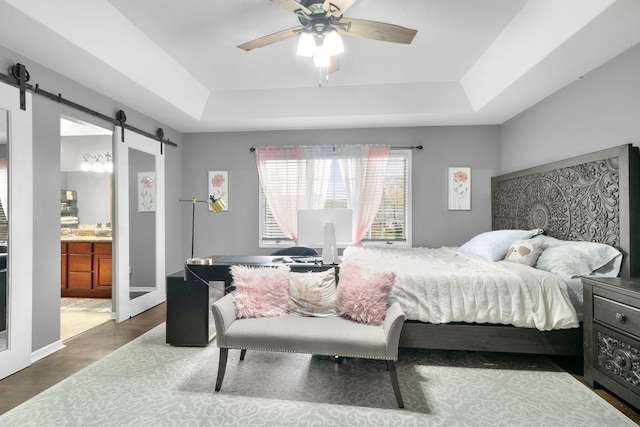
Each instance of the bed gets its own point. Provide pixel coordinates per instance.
(589, 198)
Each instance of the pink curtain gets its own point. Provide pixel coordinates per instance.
(363, 169)
(281, 174)
(294, 178)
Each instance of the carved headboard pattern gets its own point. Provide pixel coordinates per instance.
(584, 198)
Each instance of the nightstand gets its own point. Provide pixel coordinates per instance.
(612, 336)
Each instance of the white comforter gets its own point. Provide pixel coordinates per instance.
(444, 285)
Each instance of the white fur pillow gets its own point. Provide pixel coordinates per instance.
(524, 251)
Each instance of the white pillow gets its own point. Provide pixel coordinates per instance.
(493, 245)
(574, 259)
(524, 251)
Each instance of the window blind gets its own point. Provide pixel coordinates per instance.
(391, 222)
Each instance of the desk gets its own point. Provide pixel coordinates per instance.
(189, 298)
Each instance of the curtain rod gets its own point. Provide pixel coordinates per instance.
(19, 79)
(407, 147)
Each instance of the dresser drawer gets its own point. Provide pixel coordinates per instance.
(617, 357)
(77, 263)
(79, 280)
(79, 248)
(617, 315)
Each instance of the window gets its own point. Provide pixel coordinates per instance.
(391, 225)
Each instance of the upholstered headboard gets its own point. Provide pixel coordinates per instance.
(593, 197)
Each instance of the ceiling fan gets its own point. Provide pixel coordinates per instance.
(321, 22)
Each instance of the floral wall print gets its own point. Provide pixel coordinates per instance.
(459, 181)
(146, 191)
(219, 187)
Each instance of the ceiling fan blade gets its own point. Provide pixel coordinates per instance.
(334, 65)
(292, 6)
(376, 30)
(337, 7)
(270, 39)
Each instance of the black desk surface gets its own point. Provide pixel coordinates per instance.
(218, 267)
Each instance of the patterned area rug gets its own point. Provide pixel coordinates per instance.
(149, 383)
(95, 305)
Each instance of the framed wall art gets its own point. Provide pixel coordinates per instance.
(459, 188)
(146, 191)
(219, 187)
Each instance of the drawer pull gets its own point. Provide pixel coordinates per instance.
(621, 318)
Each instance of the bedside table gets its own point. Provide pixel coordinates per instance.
(612, 336)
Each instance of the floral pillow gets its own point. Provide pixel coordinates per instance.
(260, 292)
(363, 295)
(524, 251)
(313, 293)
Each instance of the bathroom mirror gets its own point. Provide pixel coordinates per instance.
(139, 223)
(142, 223)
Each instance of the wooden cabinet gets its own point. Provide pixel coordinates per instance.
(63, 266)
(102, 266)
(86, 269)
(79, 265)
(612, 336)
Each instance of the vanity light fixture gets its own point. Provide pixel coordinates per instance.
(98, 163)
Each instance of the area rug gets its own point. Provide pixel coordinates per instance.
(149, 383)
(95, 305)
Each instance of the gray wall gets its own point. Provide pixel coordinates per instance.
(599, 111)
(46, 164)
(236, 231)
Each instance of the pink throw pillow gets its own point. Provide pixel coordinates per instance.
(363, 295)
(260, 292)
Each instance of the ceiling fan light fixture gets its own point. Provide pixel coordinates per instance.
(333, 43)
(321, 58)
(306, 45)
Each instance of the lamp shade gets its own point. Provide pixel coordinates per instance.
(333, 43)
(216, 204)
(321, 57)
(86, 166)
(306, 45)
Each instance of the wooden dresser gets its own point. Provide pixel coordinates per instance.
(85, 269)
(612, 336)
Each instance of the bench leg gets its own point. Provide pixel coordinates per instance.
(243, 352)
(391, 365)
(222, 366)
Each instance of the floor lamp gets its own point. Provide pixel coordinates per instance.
(216, 205)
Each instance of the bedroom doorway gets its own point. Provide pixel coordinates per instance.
(86, 212)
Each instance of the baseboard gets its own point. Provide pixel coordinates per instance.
(46, 351)
(143, 289)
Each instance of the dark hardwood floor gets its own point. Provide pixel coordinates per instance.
(107, 337)
(573, 365)
(79, 352)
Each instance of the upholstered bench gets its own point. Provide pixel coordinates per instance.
(330, 336)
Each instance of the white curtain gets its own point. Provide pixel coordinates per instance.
(281, 174)
(363, 169)
(318, 160)
(294, 178)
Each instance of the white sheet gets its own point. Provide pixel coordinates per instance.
(444, 285)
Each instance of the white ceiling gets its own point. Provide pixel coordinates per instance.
(471, 62)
